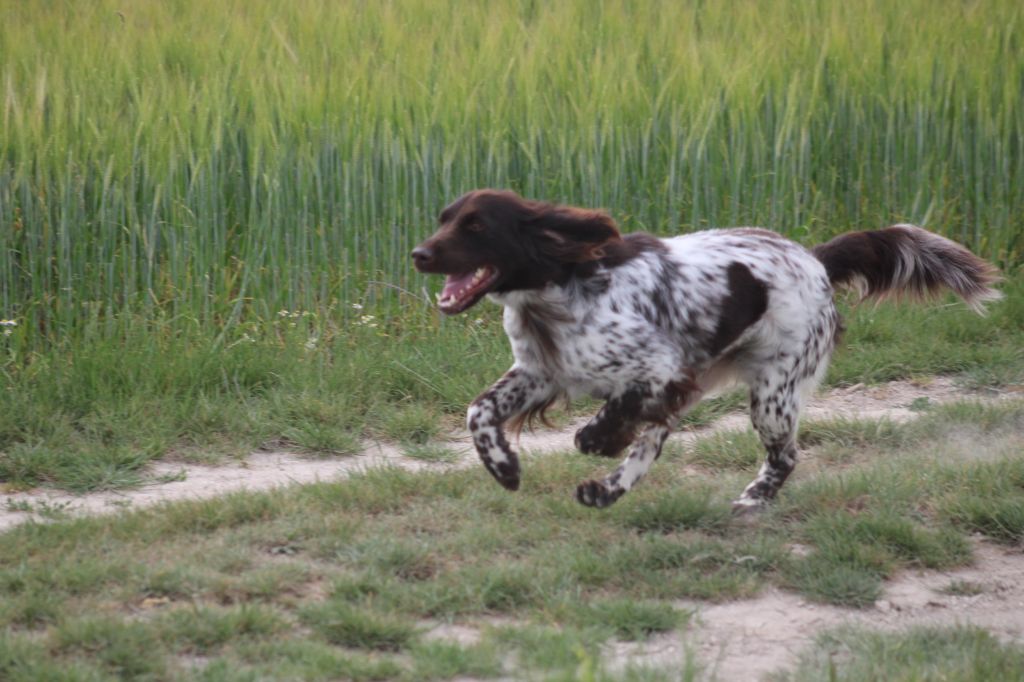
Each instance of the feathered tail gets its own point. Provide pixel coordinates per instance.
(904, 261)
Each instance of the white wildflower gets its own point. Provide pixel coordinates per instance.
(357, 306)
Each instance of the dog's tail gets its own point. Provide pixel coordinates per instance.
(904, 261)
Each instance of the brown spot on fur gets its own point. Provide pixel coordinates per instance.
(743, 306)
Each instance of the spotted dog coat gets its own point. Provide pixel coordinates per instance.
(651, 325)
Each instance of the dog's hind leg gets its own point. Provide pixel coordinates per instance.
(777, 394)
(669, 405)
(775, 414)
(516, 393)
(646, 449)
(613, 428)
(776, 400)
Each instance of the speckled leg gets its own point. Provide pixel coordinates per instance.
(613, 428)
(777, 395)
(775, 413)
(657, 409)
(515, 393)
(645, 450)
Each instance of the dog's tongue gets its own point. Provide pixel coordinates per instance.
(453, 284)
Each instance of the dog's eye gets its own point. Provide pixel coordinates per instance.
(475, 226)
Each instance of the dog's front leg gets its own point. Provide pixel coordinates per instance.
(515, 393)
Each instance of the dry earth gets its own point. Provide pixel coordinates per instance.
(740, 640)
(746, 639)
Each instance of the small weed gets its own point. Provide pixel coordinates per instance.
(43, 508)
(203, 630)
(628, 619)
(853, 433)
(962, 653)
(832, 582)
(740, 450)
(678, 510)
(439, 660)
(963, 588)
(346, 625)
(549, 648)
(411, 423)
(406, 560)
(125, 650)
(430, 452)
(1000, 518)
(921, 404)
(20, 506)
(25, 659)
(31, 608)
(306, 659)
(322, 439)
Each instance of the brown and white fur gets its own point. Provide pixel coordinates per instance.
(653, 325)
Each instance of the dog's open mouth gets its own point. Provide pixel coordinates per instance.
(462, 291)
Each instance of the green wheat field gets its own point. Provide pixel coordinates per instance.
(206, 214)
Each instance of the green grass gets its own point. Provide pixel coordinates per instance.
(963, 588)
(341, 624)
(962, 654)
(292, 582)
(281, 161)
(95, 418)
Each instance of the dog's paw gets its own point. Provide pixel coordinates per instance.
(505, 473)
(590, 440)
(749, 507)
(597, 494)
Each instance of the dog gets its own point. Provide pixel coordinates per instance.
(650, 325)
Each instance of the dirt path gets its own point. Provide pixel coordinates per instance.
(746, 639)
(265, 470)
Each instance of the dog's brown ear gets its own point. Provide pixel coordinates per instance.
(574, 235)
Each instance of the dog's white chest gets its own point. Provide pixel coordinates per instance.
(595, 352)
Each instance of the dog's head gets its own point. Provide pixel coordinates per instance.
(496, 241)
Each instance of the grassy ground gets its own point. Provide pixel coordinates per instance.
(90, 416)
(346, 579)
(960, 654)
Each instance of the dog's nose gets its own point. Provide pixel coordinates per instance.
(422, 256)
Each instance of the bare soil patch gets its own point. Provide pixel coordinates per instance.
(747, 639)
